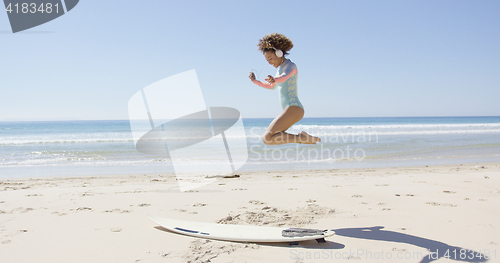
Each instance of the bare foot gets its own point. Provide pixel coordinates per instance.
(305, 138)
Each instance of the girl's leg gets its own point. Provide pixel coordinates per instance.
(275, 133)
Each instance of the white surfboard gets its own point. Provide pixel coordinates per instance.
(242, 233)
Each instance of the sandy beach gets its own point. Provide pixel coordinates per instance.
(407, 214)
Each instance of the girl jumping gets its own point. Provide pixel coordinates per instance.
(274, 47)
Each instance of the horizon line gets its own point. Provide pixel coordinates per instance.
(339, 117)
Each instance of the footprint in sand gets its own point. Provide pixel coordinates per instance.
(116, 210)
(27, 210)
(82, 209)
(438, 204)
(207, 250)
(255, 202)
(59, 213)
(273, 216)
(270, 209)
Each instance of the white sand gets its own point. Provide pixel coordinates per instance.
(399, 213)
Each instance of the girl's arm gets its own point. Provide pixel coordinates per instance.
(264, 84)
(288, 72)
(271, 85)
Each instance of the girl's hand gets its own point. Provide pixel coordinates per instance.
(252, 76)
(270, 79)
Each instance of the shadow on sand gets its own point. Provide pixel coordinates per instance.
(436, 249)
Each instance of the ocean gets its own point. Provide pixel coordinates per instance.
(90, 148)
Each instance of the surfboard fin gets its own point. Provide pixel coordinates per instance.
(321, 240)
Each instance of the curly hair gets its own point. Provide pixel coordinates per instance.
(275, 40)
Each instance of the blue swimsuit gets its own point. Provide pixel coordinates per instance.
(286, 80)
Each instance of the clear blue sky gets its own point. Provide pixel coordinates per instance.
(355, 58)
